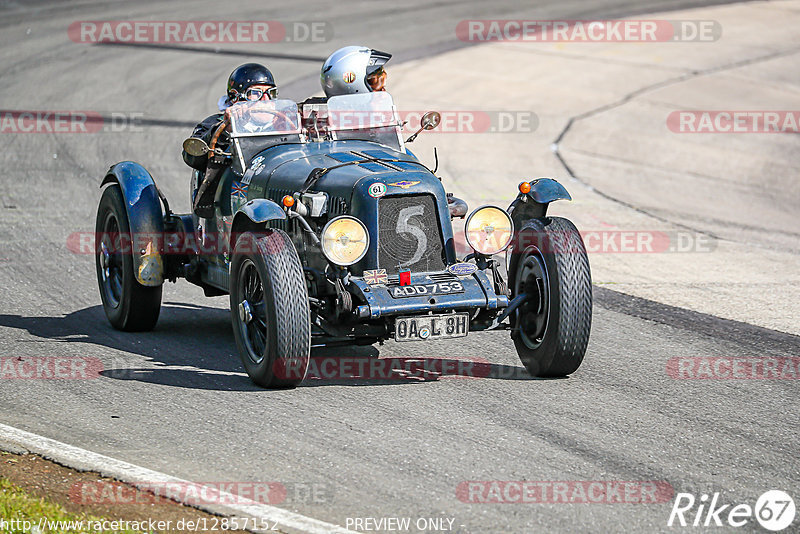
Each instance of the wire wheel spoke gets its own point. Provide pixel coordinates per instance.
(254, 330)
(259, 313)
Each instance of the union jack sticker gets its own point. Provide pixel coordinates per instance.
(239, 190)
(376, 277)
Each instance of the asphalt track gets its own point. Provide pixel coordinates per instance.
(177, 401)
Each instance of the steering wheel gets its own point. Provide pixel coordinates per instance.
(278, 114)
(223, 125)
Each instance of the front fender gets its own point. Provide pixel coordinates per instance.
(261, 210)
(253, 214)
(145, 219)
(533, 205)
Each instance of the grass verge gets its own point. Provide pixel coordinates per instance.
(22, 513)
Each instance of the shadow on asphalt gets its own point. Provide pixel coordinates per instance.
(193, 347)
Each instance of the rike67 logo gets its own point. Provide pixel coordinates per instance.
(774, 510)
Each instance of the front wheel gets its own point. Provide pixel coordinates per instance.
(551, 328)
(269, 309)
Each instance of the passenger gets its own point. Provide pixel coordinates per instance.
(354, 69)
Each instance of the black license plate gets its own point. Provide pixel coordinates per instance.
(425, 290)
(427, 327)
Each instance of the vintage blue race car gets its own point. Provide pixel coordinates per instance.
(325, 230)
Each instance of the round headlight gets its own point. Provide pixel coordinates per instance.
(489, 230)
(344, 240)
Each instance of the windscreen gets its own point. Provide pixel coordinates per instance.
(362, 110)
(264, 117)
(366, 117)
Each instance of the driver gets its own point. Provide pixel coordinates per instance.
(354, 69)
(248, 82)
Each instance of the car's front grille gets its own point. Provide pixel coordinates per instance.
(442, 277)
(337, 206)
(276, 195)
(409, 236)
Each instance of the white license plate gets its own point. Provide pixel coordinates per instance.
(426, 290)
(427, 327)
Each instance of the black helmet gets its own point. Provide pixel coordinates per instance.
(246, 75)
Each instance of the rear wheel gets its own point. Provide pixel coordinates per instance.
(550, 265)
(269, 309)
(129, 305)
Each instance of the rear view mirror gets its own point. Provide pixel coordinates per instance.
(195, 147)
(429, 121)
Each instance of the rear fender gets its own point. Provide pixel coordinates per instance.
(145, 219)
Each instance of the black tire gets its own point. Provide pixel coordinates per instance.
(273, 333)
(551, 329)
(129, 305)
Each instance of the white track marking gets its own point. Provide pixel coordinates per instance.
(154, 481)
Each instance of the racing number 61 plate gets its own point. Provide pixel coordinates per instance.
(427, 327)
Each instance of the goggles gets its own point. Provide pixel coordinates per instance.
(254, 94)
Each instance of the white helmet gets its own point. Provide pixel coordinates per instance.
(345, 71)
